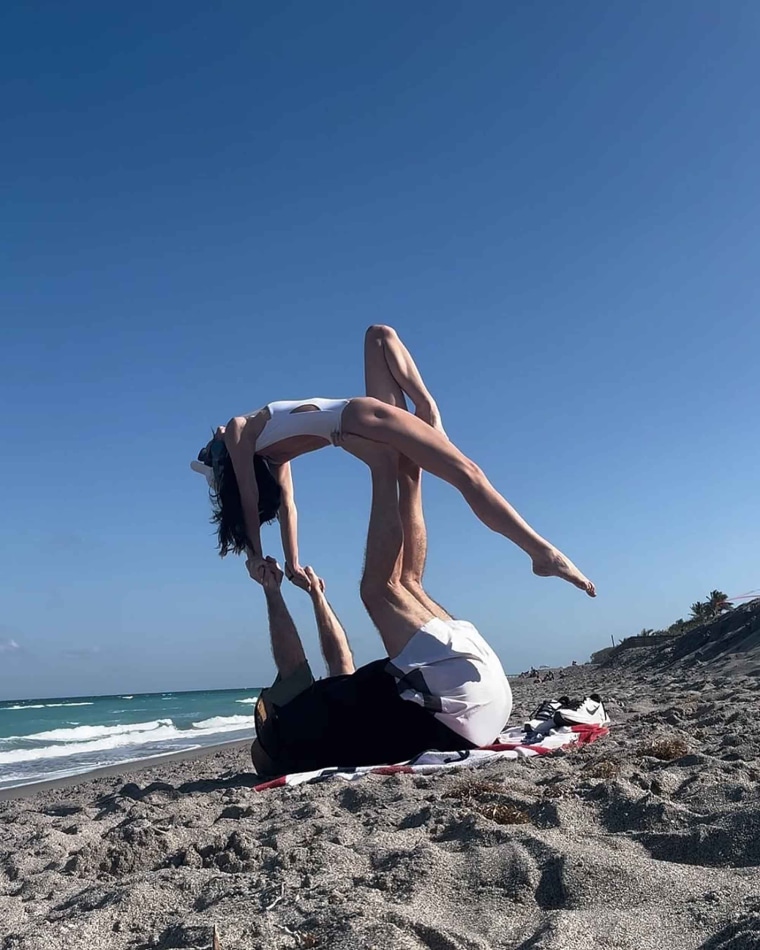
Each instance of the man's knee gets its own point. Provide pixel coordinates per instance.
(377, 592)
(371, 593)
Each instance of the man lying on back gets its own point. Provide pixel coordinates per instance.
(440, 686)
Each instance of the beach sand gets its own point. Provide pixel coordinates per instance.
(649, 838)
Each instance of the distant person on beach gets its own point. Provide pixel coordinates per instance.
(439, 687)
(247, 462)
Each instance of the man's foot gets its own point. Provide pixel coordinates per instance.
(553, 563)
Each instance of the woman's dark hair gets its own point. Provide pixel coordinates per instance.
(227, 506)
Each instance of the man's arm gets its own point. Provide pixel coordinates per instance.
(287, 648)
(332, 636)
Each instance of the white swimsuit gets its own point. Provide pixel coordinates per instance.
(448, 668)
(285, 423)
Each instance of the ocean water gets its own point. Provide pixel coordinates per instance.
(43, 739)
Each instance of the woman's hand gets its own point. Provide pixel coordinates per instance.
(272, 575)
(298, 576)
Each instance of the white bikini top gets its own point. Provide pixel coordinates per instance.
(285, 422)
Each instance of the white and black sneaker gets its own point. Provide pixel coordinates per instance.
(545, 713)
(585, 712)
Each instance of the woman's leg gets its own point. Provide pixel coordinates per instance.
(390, 372)
(433, 452)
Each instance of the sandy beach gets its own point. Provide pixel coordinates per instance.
(649, 838)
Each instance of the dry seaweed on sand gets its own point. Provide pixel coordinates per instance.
(479, 797)
(666, 749)
(605, 768)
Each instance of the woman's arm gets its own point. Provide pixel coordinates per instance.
(289, 526)
(240, 439)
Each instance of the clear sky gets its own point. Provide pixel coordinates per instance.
(206, 204)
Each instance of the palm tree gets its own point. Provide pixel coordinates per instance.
(699, 611)
(718, 602)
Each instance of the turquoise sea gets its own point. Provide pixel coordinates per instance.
(43, 739)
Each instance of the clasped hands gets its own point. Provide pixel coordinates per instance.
(267, 572)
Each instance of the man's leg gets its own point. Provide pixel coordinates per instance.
(389, 372)
(394, 611)
(415, 535)
(332, 637)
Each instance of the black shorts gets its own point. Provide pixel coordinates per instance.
(347, 721)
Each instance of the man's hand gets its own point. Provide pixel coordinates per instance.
(257, 566)
(317, 584)
(298, 576)
(272, 575)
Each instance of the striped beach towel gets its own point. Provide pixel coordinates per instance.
(512, 744)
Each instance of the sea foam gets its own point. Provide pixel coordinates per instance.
(45, 706)
(86, 739)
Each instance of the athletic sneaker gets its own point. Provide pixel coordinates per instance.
(585, 712)
(545, 713)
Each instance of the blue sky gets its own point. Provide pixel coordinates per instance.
(556, 206)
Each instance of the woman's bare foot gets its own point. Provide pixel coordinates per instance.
(429, 413)
(553, 563)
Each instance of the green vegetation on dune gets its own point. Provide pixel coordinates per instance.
(716, 604)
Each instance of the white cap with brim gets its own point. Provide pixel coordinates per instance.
(206, 470)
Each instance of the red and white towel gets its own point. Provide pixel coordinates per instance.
(512, 744)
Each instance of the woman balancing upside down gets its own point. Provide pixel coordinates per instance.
(247, 463)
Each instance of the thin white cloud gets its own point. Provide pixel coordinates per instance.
(9, 646)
